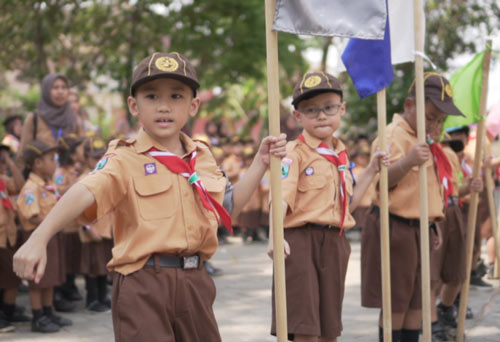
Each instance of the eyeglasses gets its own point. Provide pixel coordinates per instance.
(329, 110)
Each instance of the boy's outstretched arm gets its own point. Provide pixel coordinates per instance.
(366, 178)
(31, 258)
(244, 189)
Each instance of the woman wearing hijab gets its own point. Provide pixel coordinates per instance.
(53, 117)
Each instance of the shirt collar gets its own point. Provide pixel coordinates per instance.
(315, 142)
(398, 120)
(36, 179)
(144, 142)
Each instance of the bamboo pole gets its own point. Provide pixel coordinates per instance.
(472, 214)
(273, 92)
(422, 177)
(385, 244)
(490, 188)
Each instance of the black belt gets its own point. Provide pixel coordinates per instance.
(453, 200)
(189, 262)
(407, 221)
(322, 226)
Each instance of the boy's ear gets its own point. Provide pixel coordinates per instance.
(409, 104)
(37, 163)
(195, 105)
(342, 109)
(296, 115)
(132, 106)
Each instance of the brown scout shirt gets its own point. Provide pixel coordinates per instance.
(8, 229)
(44, 133)
(65, 177)
(312, 187)
(404, 197)
(156, 211)
(34, 200)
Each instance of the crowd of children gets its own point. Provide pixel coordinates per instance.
(116, 195)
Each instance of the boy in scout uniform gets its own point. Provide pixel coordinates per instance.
(317, 187)
(9, 282)
(448, 261)
(166, 193)
(37, 197)
(407, 154)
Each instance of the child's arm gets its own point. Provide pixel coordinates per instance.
(244, 189)
(366, 178)
(17, 176)
(31, 258)
(417, 156)
(473, 185)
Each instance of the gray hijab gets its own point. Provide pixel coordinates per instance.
(57, 117)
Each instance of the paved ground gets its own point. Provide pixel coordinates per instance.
(243, 305)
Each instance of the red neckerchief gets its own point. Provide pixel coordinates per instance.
(443, 167)
(466, 169)
(53, 189)
(178, 165)
(3, 194)
(340, 161)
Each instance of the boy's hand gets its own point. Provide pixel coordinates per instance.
(272, 146)
(476, 184)
(378, 159)
(419, 154)
(30, 260)
(270, 249)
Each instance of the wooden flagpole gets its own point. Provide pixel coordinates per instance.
(273, 92)
(422, 176)
(472, 214)
(384, 220)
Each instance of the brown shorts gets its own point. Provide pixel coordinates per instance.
(360, 214)
(264, 219)
(449, 260)
(164, 305)
(315, 280)
(8, 279)
(480, 218)
(406, 292)
(72, 250)
(250, 220)
(54, 274)
(93, 259)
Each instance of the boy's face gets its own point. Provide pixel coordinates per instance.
(433, 117)
(46, 165)
(321, 126)
(163, 107)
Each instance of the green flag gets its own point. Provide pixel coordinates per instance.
(466, 83)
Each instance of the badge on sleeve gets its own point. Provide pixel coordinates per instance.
(285, 167)
(309, 171)
(29, 197)
(59, 179)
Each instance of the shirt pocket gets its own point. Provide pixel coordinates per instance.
(155, 197)
(312, 183)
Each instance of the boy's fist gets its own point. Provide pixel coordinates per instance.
(419, 154)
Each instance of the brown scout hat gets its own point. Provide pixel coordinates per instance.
(36, 149)
(315, 83)
(94, 147)
(69, 141)
(172, 65)
(439, 91)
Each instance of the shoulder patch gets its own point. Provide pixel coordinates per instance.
(59, 178)
(29, 196)
(285, 167)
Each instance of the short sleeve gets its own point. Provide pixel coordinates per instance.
(290, 178)
(28, 203)
(108, 182)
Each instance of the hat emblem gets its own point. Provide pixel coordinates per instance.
(167, 64)
(448, 90)
(312, 81)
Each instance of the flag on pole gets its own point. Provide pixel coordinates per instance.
(369, 62)
(354, 18)
(466, 83)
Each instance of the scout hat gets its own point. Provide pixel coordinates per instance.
(69, 141)
(438, 90)
(315, 83)
(172, 65)
(36, 149)
(94, 147)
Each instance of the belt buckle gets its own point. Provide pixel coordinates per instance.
(191, 262)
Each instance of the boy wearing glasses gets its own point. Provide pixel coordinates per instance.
(317, 190)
